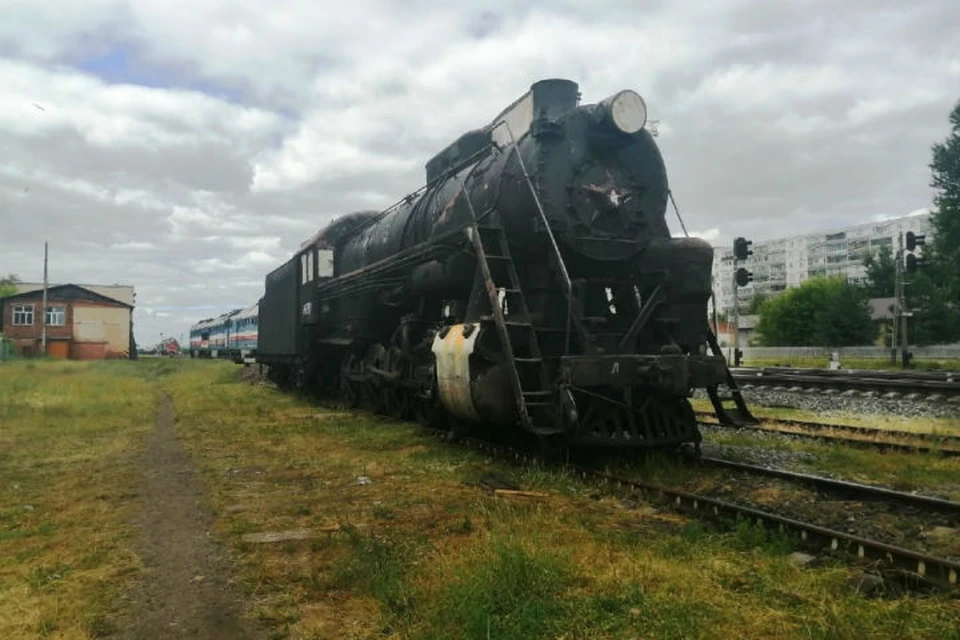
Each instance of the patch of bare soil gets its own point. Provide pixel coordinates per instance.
(185, 591)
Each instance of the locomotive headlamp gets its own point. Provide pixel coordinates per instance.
(626, 111)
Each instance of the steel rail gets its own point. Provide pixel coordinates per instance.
(862, 373)
(938, 572)
(860, 382)
(932, 443)
(845, 487)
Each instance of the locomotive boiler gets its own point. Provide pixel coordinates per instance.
(531, 284)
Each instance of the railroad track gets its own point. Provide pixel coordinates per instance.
(842, 488)
(915, 566)
(888, 439)
(924, 384)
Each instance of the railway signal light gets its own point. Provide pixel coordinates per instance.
(914, 263)
(914, 240)
(744, 277)
(741, 248)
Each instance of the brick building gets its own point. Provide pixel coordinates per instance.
(81, 323)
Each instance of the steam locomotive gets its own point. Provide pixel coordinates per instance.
(532, 284)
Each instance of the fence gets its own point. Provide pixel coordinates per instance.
(785, 354)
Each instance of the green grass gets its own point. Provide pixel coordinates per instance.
(70, 434)
(422, 552)
(502, 590)
(419, 552)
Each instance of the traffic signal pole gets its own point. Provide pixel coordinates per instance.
(736, 316)
(907, 262)
(741, 278)
(897, 301)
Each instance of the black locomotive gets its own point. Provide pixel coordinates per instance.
(532, 282)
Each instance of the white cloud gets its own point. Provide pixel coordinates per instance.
(769, 87)
(188, 151)
(710, 235)
(121, 115)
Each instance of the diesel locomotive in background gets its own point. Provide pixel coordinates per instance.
(532, 284)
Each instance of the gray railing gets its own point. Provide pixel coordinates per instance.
(931, 352)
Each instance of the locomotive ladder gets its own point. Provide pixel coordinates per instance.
(531, 388)
(737, 415)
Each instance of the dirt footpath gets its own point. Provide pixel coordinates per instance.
(184, 592)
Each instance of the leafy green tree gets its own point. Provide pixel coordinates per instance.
(822, 311)
(755, 303)
(8, 285)
(934, 292)
(881, 273)
(935, 317)
(945, 244)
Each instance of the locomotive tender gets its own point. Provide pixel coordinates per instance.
(531, 283)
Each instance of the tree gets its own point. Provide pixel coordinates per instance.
(881, 273)
(8, 285)
(755, 303)
(935, 317)
(821, 312)
(945, 218)
(935, 291)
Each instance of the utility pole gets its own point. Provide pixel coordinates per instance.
(897, 301)
(741, 278)
(43, 311)
(910, 264)
(736, 315)
(903, 338)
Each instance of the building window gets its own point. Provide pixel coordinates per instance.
(56, 316)
(23, 315)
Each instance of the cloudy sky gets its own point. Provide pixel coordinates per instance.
(187, 149)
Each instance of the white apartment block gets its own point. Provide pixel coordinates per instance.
(786, 262)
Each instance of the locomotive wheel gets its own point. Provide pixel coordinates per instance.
(396, 398)
(373, 396)
(349, 390)
(427, 406)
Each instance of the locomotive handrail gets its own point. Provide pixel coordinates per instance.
(546, 224)
(495, 309)
(543, 215)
